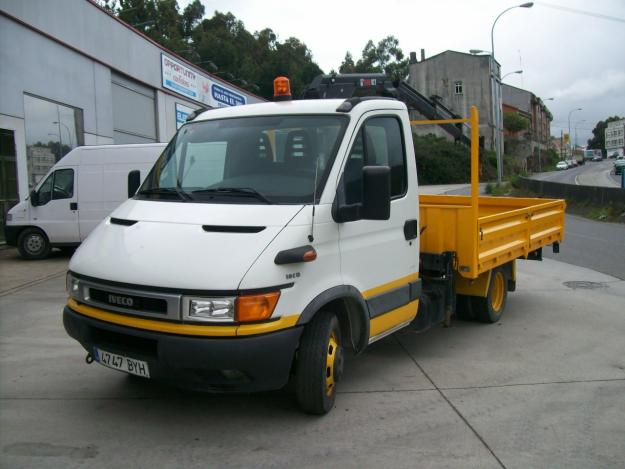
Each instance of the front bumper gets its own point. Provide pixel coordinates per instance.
(229, 364)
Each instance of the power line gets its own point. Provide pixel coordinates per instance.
(582, 12)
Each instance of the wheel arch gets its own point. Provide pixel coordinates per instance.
(351, 310)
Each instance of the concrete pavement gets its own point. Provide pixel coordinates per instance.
(542, 388)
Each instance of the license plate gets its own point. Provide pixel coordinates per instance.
(121, 363)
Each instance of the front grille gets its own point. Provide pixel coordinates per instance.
(132, 302)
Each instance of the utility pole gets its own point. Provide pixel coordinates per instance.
(561, 143)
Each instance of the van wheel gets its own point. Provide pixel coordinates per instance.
(319, 364)
(491, 308)
(32, 243)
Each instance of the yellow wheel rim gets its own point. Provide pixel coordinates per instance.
(330, 357)
(497, 292)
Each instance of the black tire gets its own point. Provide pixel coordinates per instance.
(490, 309)
(32, 243)
(319, 364)
(463, 308)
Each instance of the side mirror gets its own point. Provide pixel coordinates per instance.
(376, 201)
(375, 196)
(34, 198)
(134, 181)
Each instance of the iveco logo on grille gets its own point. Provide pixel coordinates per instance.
(120, 300)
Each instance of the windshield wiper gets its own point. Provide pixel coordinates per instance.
(244, 191)
(182, 195)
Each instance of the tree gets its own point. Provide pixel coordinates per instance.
(384, 57)
(251, 61)
(597, 142)
(514, 122)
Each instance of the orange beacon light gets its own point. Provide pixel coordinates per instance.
(282, 89)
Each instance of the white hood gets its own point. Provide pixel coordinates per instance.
(168, 246)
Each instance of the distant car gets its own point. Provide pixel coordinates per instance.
(562, 165)
(614, 155)
(597, 158)
(619, 165)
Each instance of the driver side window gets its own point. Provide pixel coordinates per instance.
(58, 185)
(63, 187)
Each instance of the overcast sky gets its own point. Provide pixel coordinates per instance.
(578, 60)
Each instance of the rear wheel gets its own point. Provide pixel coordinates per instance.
(32, 243)
(320, 364)
(491, 308)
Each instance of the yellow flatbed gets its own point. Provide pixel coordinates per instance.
(493, 232)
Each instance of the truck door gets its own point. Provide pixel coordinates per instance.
(376, 256)
(56, 212)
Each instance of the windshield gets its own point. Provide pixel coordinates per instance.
(271, 159)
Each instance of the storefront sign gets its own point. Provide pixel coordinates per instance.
(182, 112)
(183, 80)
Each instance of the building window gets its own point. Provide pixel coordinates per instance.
(458, 87)
(52, 131)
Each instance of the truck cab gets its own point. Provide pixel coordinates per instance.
(256, 221)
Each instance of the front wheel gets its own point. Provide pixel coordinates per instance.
(491, 308)
(319, 364)
(32, 243)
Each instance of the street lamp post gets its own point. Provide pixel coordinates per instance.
(570, 140)
(496, 93)
(69, 133)
(576, 123)
(511, 73)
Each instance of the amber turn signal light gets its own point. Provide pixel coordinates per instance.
(282, 89)
(256, 307)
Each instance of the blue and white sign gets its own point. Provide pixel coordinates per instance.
(182, 112)
(191, 84)
(226, 97)
(179, 78)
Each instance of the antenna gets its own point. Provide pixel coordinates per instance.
(311, 238)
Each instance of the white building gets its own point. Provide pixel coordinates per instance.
(71, 74)
(615, 138)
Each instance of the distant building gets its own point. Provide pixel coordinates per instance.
(615, 138)
(533, 142)
(459, 81)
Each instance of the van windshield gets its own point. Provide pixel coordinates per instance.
(268, 159)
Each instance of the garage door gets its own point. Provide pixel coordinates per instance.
(134, 112)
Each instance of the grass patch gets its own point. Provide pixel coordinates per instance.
(612, 212)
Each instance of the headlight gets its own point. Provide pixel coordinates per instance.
(247, 308)
(210, 309)
(72, 286)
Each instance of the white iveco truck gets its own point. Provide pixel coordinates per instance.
(269, 237)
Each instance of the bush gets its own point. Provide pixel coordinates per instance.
(440, 161)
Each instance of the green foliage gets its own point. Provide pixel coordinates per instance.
(498, 189)
(221, 44)
(514, 122)
(597, 142)
(440, 161)
(384, 57)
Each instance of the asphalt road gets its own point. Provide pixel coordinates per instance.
(596, 245)
(599, 173)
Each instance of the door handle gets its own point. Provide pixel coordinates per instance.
(411, 229)
(73, 205)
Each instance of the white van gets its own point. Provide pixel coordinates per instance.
(77, 194)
